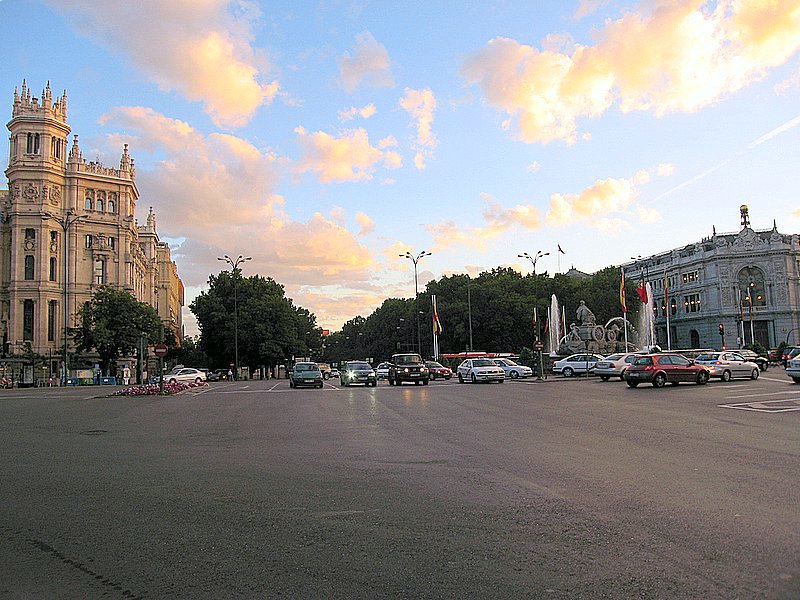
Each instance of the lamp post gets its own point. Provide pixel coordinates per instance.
(234, 263)
(66, 222)
(533, 259)
(469, 310)
(415, 260)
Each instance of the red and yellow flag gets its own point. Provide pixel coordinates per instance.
(622, 293)
(437, 325)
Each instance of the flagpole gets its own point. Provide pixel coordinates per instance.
(752, 335)
(435, 317)
(740, 327)
(666, 302)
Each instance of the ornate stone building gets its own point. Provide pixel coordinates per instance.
(67, 226)
(747, 282)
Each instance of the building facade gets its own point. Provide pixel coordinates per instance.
(68, 226)
(727, 289)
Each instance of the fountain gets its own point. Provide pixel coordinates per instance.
(647, 326)
(556, 327)
(586, 335)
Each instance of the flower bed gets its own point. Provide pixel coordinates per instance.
(154, 389)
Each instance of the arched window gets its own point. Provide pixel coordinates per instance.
(29, 267)
(87, 204)
(112, 207)
(695, 338)
(752, 288)
(100, 205)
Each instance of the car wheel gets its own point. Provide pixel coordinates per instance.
(424, 382)
(326, 376)
(433, 376)
(173, 381)
(197, 380)
(320, 386)
(604, 378)
(659, 380)
(416, 382)
(632, 384)
(514, 374)
(796, 379)
(764, 366)
(568, 372)
(702, 378)
(754, 374)
(461, 379)
(726, 376)
(473, 379)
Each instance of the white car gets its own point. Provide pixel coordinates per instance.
(615, 365)
(480, 369)
(185, 374)
(382, 371)
(512, 369)
(577, 363)
(726, 365)
(793, 369)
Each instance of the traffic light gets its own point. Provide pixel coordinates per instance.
(722, 329)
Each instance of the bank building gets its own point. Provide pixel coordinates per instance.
(67, 226)
(728, 289)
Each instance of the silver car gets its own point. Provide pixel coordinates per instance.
(793, 369)
(382, 370)
(726, 365)
(480, 369)
(185, 374)
(615, 365)
(512, 369)
(577, 363)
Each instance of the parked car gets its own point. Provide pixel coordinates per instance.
(184, 374)
(408, 367)
(334, 372)
(615, 365)
(480, 369)
(325, 368)
(726, 365)
(438, 370)
(512, 369)
(357, 371)
(218, 375)
(382, 371)
(761, 361)
(660, 369)
(793, 369)
(306, 374)
(577, 363)
(789, 352)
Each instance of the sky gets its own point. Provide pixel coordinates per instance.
(324, 139)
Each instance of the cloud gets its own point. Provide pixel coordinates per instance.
(421, 106)
(676, 57)
(587, 7)
(202, 50)
(369, 64)
(366, 223)
(647, 215)
(347, 158)
(533, 167)
(212, 189)
(365, 112)
(392, 160)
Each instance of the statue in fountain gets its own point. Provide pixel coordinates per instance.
(584, 314)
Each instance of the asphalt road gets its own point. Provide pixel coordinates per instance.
(562, 489)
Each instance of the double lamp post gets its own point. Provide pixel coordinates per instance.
(234, 263)
(415, 260)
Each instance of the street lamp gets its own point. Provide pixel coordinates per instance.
(66, 222)
(533, 259)
(415, 260)
(235, 266)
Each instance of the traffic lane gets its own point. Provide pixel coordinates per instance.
(380, 486)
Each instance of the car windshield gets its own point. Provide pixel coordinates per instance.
(614, 357)
(408, 359)
(434, 364)
(707, 357)
(644, 360)
(358, 365)
(483, 362)
(306, 367)
(508, 362)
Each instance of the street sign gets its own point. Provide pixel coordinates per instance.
(160, 350)
(538, 345)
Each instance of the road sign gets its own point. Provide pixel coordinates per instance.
(538, 345)
(160, 350)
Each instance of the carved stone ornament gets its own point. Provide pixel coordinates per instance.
(30, 192)
(55, 194)
(17, 192)
(29, 244)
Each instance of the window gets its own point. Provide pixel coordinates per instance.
(87, 241)
(691, 303)
(53, 236)
(752, 289)
(52, 311)
(100, 205)
(690, 277)
(29, 267)
(87, 204)
(112, 207)
(53, 268)
(27, 320)
(112, 243)
(30, 234)
(100, 271)
(33, 143)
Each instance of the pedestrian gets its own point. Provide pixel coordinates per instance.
(230, 375)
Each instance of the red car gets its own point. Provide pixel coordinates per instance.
(437, 370)
(660, 369)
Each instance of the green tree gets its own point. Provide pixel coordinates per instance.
(112, 323)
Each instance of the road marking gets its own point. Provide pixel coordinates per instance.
(764, 394)
(274, 386)
(766, 406)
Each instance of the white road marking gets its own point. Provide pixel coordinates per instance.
(763, 407)
(274, 386)
(765, 394)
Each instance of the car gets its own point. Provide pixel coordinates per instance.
(334, 372)
(512, 369)
(727, 365)
(480, 369)
(218, 375)
(577, 363)
(438, 370)
(183, 374)
(761, 361)
(408, 367)
(789, 352)
(306, 374)
(382, 371)
(660, 369)
(357, 371)
(326, 370)
(793, 369)
(614, 365)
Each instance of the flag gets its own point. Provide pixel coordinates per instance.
(750, 303)
(560, 251)
(622, 293)
(546, 327)
(741, 310)
(641, 290)
(437, 325)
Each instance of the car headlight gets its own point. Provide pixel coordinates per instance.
(405, 370)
